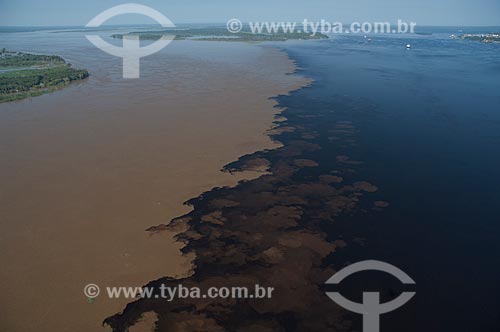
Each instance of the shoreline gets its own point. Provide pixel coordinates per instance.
(111, 185)
(26, 75)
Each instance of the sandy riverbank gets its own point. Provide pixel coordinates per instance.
(86, 170)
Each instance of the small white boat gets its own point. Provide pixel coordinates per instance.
(408, 46)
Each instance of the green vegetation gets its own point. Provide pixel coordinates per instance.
(221, 34)
(488, 38)
(24, 75)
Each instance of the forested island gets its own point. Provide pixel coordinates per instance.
(484, 38)
(222, 34)
(24, 75)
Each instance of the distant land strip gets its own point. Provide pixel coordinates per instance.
(222, 34)
(24, 75)
(484, 38)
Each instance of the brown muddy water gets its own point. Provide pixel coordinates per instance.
(86, 170)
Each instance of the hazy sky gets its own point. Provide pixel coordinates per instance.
(423, 12)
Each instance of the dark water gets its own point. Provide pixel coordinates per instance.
(428, 133)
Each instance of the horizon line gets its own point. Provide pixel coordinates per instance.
(223, 23)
